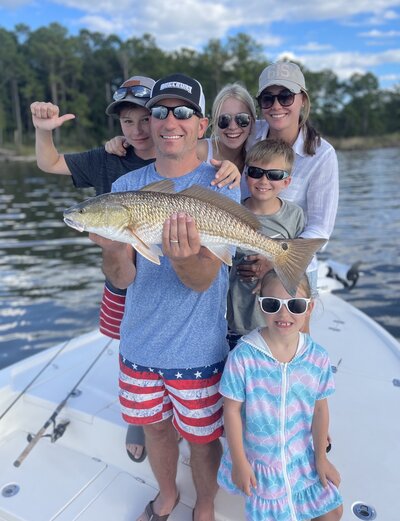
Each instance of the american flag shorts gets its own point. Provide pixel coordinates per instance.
(111, 310)
(190, 396)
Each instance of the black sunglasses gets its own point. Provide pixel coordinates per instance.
(296, 306)
(272, 174)
(285, 98)
(137, 91)
(242, 120)
(181, 112)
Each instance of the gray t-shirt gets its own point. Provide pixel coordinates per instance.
(243, 312)
(166, 324)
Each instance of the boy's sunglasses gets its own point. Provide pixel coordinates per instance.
(181, 112)
(137, 91)
(272, 174)
(242, 120)
(296, 306)
(285, 98)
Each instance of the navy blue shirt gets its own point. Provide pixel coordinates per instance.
(96, 168)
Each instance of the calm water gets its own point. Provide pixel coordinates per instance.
(50, 275)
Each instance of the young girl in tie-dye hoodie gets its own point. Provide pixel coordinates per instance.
(275, 386)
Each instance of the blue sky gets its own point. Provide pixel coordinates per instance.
(345, 36)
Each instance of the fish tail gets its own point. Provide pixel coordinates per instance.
(292, 261)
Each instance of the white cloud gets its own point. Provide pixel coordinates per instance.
(190, 23)
(374, 33)
(390, 77)
(13, 4)
(347, 63)
(315, 47)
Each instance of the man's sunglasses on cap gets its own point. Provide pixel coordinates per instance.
(272, 174)
(285, 99)
(181, 112)
(296, 306)
(242, 120)
(137, 91)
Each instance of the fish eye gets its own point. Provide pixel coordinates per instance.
(82, 210)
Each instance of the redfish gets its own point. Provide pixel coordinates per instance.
(137, 218)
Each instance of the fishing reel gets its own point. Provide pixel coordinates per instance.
(57, 432)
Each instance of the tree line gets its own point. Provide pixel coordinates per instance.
(79, 73)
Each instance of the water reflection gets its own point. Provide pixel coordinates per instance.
(367, 229)
(51, 279)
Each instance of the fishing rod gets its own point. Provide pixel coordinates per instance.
(33, 441)
(34, 379)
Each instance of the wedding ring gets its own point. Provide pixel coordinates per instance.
(171, 240)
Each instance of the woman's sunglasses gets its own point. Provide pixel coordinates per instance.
(285, 98)
(272, 174)
(296, 306)
(242, 120)
(137, 91)
(181, 112)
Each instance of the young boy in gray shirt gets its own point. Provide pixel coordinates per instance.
(268, 167)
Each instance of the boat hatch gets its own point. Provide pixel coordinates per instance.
(56, 483)
(51, 472)
(111, 502)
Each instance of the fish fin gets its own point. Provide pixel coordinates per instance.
(291, 264)
(152, 253)
(165, 186)
(221, 251)
(223, 203)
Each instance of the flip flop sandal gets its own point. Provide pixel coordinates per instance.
(152, 516)
(135, 436)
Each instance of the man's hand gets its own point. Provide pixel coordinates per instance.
(45, 116)
(107, 244)
(195, 265)
(180, 239)
(118, 261)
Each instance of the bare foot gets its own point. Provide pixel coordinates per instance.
(136, 451)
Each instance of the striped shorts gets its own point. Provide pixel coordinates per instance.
(150, 395)
(111, 310)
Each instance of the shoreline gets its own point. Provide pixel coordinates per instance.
(365, 143)
(340, 144)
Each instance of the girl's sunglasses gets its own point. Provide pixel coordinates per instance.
(285, 98)
(296, 306)
(137, 91)
(242, 120)
(271, 174)
(181, 112)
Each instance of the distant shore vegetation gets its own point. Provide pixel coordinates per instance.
(79, 73)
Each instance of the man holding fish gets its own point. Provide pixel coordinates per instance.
(173, 342)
